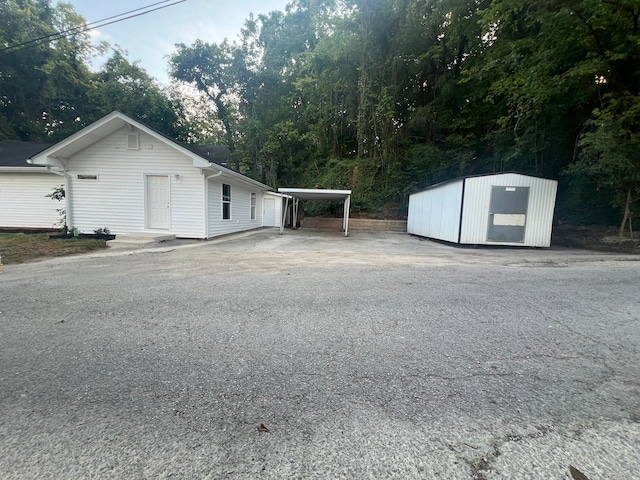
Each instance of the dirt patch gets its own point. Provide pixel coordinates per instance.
(595, 237)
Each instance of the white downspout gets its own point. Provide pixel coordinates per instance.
(68, 197)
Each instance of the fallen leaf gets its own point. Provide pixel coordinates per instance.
(263, 428)
(577, 474)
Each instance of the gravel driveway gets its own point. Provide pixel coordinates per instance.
(372, 356)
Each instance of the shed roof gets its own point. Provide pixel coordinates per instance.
(456, 179)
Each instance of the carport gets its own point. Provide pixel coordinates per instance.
(297, 194)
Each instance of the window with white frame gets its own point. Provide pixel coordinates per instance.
(253, 206)
(226, 201)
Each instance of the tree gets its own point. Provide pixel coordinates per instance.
(214, 71)
(48, 91)
(44, 81)
(126, 86)
(608, 152)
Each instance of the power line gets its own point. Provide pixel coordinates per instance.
(90, 26)
(78, 28)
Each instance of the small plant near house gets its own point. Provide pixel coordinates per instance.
(58, 195)
(102, 231)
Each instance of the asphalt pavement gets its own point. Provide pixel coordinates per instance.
(372, 356)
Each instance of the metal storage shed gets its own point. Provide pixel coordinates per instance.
(494, 209)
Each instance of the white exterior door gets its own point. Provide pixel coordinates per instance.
(269, 212)
(158, 205)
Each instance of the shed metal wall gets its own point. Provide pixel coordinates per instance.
(240, 207)
(435, 213)
(117, 198)
(477, 197)
(23, 200)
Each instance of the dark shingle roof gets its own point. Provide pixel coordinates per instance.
(14, 153)
(215, 154)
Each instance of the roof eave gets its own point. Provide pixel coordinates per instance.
(35, 169)
(199, 162)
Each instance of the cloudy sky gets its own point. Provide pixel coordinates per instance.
(151, 37)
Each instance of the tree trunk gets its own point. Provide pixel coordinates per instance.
(627, 216)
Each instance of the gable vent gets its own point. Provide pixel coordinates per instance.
(133, 141)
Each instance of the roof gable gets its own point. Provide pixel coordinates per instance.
(57, 155)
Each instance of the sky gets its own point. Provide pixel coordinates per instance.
(150, 38)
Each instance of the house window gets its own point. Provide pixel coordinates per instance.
(253, 206)
(226, 201)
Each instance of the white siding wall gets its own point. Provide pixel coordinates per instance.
(435, 213)
(117, 199)
(277, 200)
(539, 222)
(23, 201)
(240, 207)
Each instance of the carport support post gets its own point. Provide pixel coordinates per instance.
(284, 215)
(345, 219)
(296, 203)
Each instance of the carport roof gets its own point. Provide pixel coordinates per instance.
(298, 194)
(316, 193)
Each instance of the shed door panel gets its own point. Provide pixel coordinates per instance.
(508, 214)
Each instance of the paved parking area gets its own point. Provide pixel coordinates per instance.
(372, 356)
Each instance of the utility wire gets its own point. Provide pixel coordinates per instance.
(74, 29)
(90, 26)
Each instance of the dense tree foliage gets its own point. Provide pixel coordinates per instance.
(387, 96)
(47, 90)
(381, 96)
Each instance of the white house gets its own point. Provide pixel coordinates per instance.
(123, 175)
(24, 188)
(496, 209)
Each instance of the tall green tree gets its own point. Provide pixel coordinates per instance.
(214, 70)
(385, 96)
(48, 91)
(126, 86)
(43, 82)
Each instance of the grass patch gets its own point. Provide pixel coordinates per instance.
(23, 247)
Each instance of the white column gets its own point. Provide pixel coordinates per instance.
(284, 215)
(347, 209)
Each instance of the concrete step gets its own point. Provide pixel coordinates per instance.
(140, 239)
